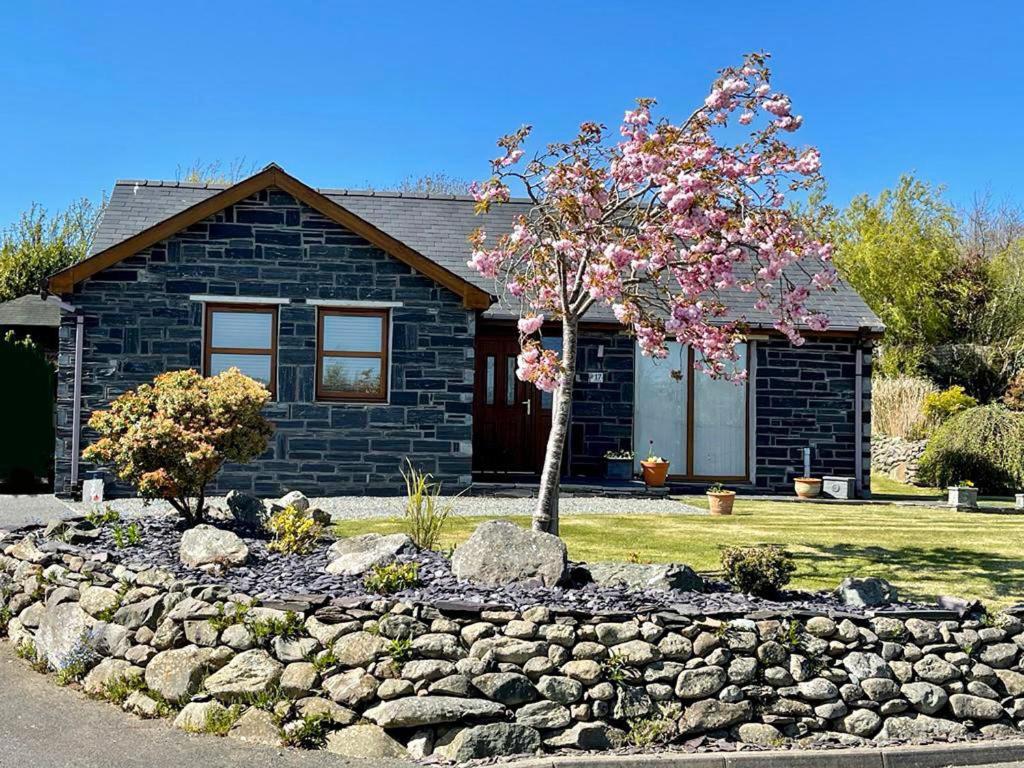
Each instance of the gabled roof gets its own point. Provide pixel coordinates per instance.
(113, 249)
(435, 227)
(30, 310)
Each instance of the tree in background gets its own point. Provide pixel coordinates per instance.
(653, 226)
(38, 244)
(215, 172)
(897, 250)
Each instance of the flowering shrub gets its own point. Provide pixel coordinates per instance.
(170, 438)
(654, 225)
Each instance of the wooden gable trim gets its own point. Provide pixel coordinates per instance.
(272, 176)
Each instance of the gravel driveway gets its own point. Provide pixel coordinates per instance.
(366, 507)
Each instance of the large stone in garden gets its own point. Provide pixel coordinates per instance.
(866, 593)
(509, 688)
(99, 600)
(247, 509)
(662, 577)
(364, 741)
(967, 707)
(414, 711)
(295, 499)
(257, 726)
(925, 697)
(713, 715)
(358, 554)
(195, 715)
(493, 740)
(352, 688)
(108, 672)
(592, 735)
(249, 673)
(64, 632)
(206, 545)
(177, 674)
(499, 552)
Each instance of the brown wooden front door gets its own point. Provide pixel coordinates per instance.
(511, 418)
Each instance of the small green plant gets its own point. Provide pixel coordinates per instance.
(266, 700)
(5, 619)
(654, 729)
(295, 533)
(391, 578)
(125, 536)
(73, 665)
(26, 650)
(107, 614)
(637, 559)
(120, 688)
(308, 733)
(264, 630)
(760, 570)
(324, 661)
(716, 488)
(220, 720)
(98, 518)
(616, 669)
(794, 634)
(400, 650)
(225, 619)
(621, 455)
(652, 456)
(425, 514)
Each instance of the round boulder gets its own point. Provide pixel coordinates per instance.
(206, 545)
(499, 552)
(358, 554)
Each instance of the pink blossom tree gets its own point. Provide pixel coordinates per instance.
(654, 225)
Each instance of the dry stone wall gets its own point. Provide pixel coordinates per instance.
(382, 677)
(896, 457)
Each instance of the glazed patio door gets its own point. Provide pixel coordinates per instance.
(699, 424)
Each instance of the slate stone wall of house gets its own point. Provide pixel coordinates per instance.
(140, 322)
(805, 397)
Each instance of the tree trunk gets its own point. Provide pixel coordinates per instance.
(545, 516)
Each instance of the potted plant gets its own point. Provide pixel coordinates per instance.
(963, 495)
(807, 487)
(720, 500)
(655, 468)
(618, 465)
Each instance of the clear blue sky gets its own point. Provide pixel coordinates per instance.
(342, 94)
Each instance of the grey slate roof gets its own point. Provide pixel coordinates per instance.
(437, 226)
(29, 310)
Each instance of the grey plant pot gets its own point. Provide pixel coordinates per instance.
(963, 497)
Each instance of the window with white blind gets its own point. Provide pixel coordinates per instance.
(242, 336)
(352, 355)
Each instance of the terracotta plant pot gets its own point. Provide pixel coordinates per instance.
(654, 472)
(720, 502)
(807, 487)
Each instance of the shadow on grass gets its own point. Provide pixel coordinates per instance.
(948, 565)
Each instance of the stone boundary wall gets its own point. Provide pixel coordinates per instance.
(389, 679)
(896, 457)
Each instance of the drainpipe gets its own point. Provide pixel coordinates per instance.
(858, 432)
(76, 426)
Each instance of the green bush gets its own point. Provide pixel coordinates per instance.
(940, 407)
(391, 578)
(983, 444)
(294, 532)
(757, 570)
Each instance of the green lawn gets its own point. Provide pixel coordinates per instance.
(886, 488)
(924, 551)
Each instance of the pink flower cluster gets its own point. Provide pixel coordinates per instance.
(656, 224)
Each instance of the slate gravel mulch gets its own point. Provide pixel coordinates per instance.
(270, 575)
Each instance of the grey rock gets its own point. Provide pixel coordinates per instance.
(862, 722)
(294, 648)
(662, 577)
(862, 665)
(880, 689)
(544, 715)
(200, 633)
(906, 727)
(248, 673)
(614, 633)
(206, 545)
(701, 682)
(415, 711)
(358, 554)
(1000, 655)
(760, 734)
(352, 688)
(525, 555)
(98, 600)
(176, 674)
(493, 740)
(563, 690)
(969, 707)
(633, 702)
(327, 709)
(593, 735)
(298, 679)
(196, 714)
(1013, 682)
(821, 626)
(64, 631)
(818, 689)
(923, 632)
(712, 715)
(452, 685)
(509, 688)
(636, 652)
(359, 649)
(295, 499)
(364, 741)
(256, 726)
(427, 669)
(246, 509)
(144, 613)
(394, 689)
(675, 647)
(933, 669)
(237, 637)
(866, 593)
(435, 645)
(107, 672)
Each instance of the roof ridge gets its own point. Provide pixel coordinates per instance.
(332, 191)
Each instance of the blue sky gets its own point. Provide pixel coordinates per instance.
(342, 94)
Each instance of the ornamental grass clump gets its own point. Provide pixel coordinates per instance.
(170, 438)
(425, 514)
(760, 571)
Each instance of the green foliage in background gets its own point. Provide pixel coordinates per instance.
(984, 445)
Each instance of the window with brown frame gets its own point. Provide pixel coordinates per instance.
(352, 355)
(242, 336)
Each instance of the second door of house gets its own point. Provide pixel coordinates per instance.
(511, 418)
